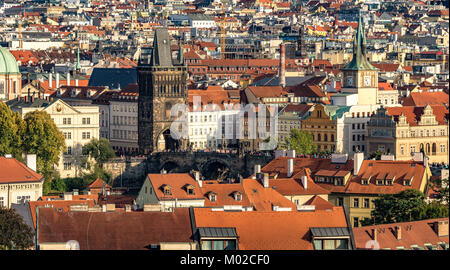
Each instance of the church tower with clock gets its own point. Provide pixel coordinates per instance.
(359, 76)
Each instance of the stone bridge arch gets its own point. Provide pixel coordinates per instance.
(216, 168)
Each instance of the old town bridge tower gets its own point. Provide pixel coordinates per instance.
(162, 84)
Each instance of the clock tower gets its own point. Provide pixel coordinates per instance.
(359, 76)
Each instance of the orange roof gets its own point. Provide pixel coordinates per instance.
(386, 67)
(177, 183)
(61, 205)
(319, 203)
(398, 171)
(275, 230)
(14, 171)
(224, 194)
(294, 186)
(263, 199)
(384, 86)
(267, 91)
(412, 233)
(425, 97)
(413, 114)
(99, 183)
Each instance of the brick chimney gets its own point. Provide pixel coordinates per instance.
(290, 167)
(266, 180)
(441, 228)
(282, 65)
(358, 159)
(398, 232)
(31, 161)
(57, 80)
(374, 234)
(305, 182)
(50, 80)
(257, 169)
(68, 79)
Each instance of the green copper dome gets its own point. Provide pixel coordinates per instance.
(8, 64)
(359, 61)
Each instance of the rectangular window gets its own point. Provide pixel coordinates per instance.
(2, 202)
(329, 244)
(366, 203)
(67, 166)
(318, 245)
(341, 244)
(355, 222)
(340, 201)
(356, 202)
(442, 148)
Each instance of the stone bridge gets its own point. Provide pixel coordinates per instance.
(131, 172)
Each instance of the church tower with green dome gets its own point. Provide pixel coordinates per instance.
(10, 77)
(359, 76)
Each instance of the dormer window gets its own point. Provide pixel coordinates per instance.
(190, 189)
(237, 196)
(364, 181)
(407, 182)
(213, 197)
(167, 190)
(389, 182)
(380, 182)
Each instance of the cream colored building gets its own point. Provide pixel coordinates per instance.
(19, 183)
(79, 124)
(395, 130)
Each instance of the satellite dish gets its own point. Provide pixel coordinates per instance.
(72, 245)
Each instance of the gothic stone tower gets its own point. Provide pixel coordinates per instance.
(359, 76)
(162, 84)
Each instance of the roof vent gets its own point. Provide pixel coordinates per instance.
(8, 156)
(370, 164)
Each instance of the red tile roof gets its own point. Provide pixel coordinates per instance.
(277, 230)
(177, 183)
(263, 199)
(398, 171)
(114, 230)
(425, 98)
(14, 171)
(224, 194)
(412, 233)
(98, 183)
(384, 86)
(60, 205)
(414, 114)
(319, 203)
(267, 91)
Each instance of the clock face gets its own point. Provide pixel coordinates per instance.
(350, 81)
(367, 81)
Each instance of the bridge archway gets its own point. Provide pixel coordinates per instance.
(170, 167)
(216, 169)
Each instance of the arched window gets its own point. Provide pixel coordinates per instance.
(428, 149)
(332, 137)
(318, 137)
(433, 149)
(421, 147)
(325, 137)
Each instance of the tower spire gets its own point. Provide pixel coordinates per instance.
(359, 61)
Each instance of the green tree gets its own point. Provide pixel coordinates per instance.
(443, 191)
(99, 149)
(43, 138)
(408, 205)
(376, 155)
(302, 142)
(11, 129)
(14, 233)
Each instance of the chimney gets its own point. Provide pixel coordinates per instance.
(374, 234)
(266, 180)
(127, 208)
(67, 196)
(305, 182)
(50, 80)
(290, 167)
(31, 161)
(68, 79)
(282, 65)
(398, 232)
(257, 169)
(104, 208)
(57, 80)
(197, 178)
(76, 82)
(441, 228)
(425, 161)
(358, 159)
(163, 171)
(75, 192)
(290, 153)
